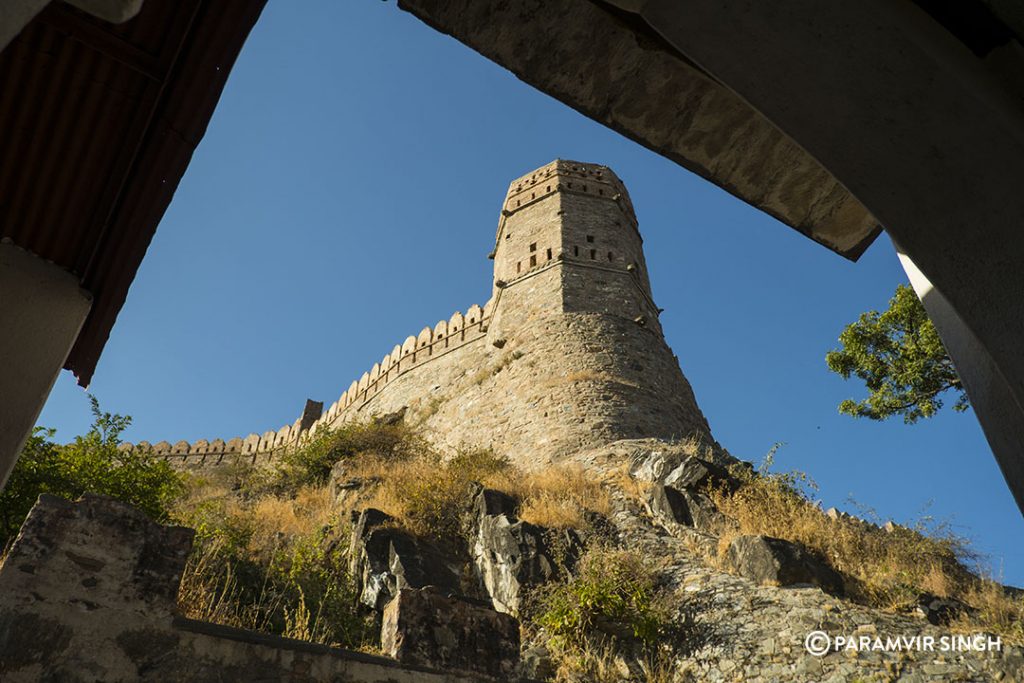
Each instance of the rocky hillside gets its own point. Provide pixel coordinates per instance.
(642, 560)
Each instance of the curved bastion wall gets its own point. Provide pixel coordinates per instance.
(567, 354)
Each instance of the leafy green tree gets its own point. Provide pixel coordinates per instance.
(93, 463)
(901, 359)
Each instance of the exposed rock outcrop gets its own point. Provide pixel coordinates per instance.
(87, 593)
(510, 555)
(777, 562)
(385, 559)
(674, 506)
(431, 627)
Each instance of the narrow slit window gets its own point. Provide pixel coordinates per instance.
(593, 254)
(533, 260)
(549, 254)
(610, 256)
(519, 266)
(575, 251)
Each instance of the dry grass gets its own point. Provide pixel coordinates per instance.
(603, 664)
(559, 496)
(272, 517)
(268, 563)
(428, 494)
(209, 594)
(267, 552)
(887, 569)
(996, 611)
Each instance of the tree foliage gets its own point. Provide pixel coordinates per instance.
(899, 356)
(90, 463)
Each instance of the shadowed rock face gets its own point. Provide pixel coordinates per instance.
(509, 555)
(386, 559)
(777, 562)
(429, 627)
(612, 67)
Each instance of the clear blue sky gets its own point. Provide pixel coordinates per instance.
(346, 194)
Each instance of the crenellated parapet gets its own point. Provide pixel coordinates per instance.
(431, 343)
(570, 177)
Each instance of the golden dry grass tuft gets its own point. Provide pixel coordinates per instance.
(269, 562)
(559, 496)
(886, 568)
(429, 494)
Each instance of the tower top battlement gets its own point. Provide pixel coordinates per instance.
(564, 175)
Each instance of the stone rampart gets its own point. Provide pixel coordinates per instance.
(446, 337)
(567, 354)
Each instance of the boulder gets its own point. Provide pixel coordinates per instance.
(939, 611)
(696, 474)
(433, 628)
(509, 554)
(768, 560)
(652, 465)
(536, 663)
(691, 509)
(386, 559)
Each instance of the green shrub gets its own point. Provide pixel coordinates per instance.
(90, 463)
(612, 598)
(310, 462)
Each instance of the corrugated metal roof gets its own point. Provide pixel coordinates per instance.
(99, 124)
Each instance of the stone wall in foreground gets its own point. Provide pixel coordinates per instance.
(87, 593)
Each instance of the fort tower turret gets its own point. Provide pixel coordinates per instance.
(576, 221)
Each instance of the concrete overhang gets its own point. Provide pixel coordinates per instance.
(607, 63)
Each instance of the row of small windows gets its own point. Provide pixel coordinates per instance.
(593, 254)
(533, 195)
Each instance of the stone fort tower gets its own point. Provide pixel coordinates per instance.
(567, 354)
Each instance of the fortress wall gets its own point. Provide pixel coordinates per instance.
(567, 354)
(445, 340)
(569, 382)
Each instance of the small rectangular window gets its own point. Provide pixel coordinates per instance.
(549, 254)
(590, 238)
(533, 247)
(593, 254)
(533, 261)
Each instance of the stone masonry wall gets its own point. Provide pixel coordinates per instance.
(88, 591)
(567, 354)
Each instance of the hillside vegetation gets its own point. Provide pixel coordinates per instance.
(272, 547)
